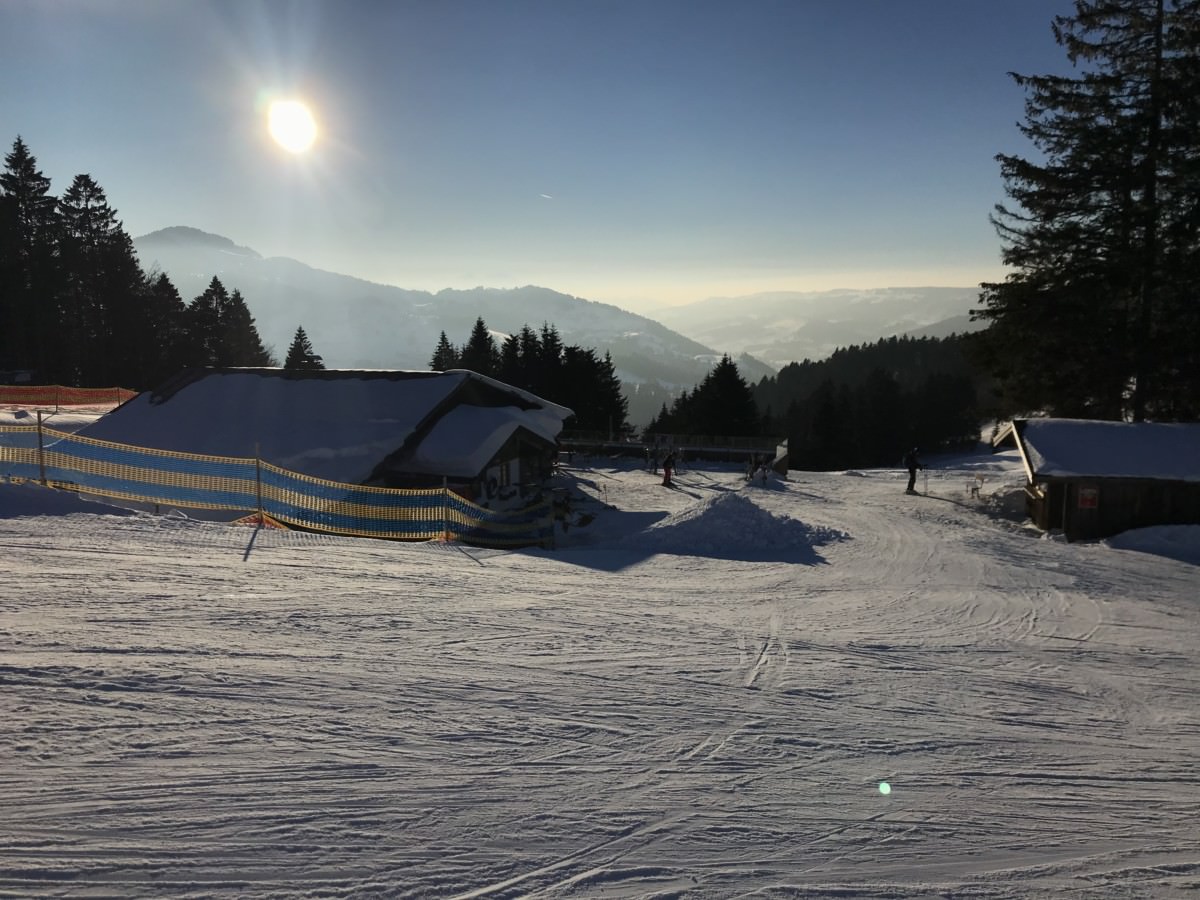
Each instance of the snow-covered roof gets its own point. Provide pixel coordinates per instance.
(466, 438)
(333, 424)
(1066, 448)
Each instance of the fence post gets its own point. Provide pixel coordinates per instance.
(258, 482)
(41, 450)
(445, 509)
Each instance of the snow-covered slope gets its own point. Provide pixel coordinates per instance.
(699, 694)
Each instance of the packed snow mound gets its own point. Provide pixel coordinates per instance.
(1180, 542)
(730, 524)
(30, 499)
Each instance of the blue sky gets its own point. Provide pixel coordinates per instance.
(643, 153)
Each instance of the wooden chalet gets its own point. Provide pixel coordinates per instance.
(1092, 479)
(487, 440)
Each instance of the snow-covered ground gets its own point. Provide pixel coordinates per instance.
(702, 693)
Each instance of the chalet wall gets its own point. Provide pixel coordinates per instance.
(1088, 509)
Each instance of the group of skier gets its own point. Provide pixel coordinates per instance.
(912, 462)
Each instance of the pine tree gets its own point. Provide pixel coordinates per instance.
(30, 270)
(301, 356)
(240, 341)
(1098, 317)
(480, 354)
(723, 403)
(548, 361)
(203, 325)
(162, 331)
(103, 289)
(611, 399)
(221, 331)
(530, 352)
(445, 357)
(511, 371)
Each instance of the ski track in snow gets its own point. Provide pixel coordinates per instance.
(695, 696)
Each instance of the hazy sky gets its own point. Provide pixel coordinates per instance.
(639, 152)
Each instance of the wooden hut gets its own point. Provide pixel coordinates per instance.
(1092, 479)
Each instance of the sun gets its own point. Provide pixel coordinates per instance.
(292, 125)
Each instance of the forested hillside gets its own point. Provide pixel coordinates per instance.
(866, 404)
(77, 309)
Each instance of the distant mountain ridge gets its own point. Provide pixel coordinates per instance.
(791, 326)
(360, 324)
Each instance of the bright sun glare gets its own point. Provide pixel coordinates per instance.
(291, 125)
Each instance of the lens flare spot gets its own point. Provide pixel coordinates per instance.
(885, 788)
(292, 125)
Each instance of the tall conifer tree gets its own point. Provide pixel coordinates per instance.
(104, 283)
(1099, 313)
(444, 355)
(30, 270)
(241, 343)
(162, 331)
(301, 356)
(480, 354)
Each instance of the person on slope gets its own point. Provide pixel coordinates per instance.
(668, 466)
(912, 462)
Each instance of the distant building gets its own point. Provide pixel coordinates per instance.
(487, 440)
(1093, 479)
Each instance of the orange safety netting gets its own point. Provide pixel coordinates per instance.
(60, 395)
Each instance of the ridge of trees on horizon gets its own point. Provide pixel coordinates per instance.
(540, 363)
(865, 405)
(861, 407)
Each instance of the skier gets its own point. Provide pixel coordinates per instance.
(668, 464)
(562, 510)
(912, 463)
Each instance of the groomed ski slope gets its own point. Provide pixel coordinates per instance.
(697, 695)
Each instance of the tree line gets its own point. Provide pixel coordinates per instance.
(861, 407)
(76, 307)
(864, 405)
(542, 364)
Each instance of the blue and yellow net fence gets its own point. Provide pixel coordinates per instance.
(164, 477)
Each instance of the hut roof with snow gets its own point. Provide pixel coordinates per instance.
(1095, 479)
(351, 426)
(1085, 448)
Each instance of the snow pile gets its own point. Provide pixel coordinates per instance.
(730, 524)
(30, 499)
(1180, 542)
(66, 418)
(1006, 503)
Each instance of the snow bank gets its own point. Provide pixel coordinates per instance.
(34, 500)
(1181, 542)
(730, 524)
(68, 418)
